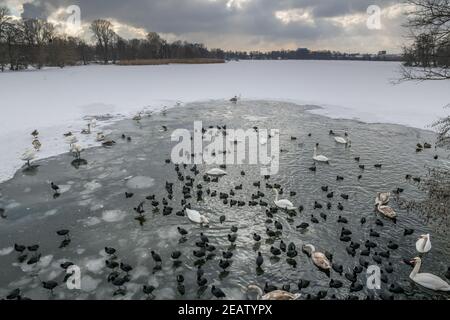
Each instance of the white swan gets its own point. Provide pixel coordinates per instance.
(71, 140)
(382, 198)
(216, 172)
(76, 149)
(196, 217)
(423, 244)
(28, 155)
(319, 158)
(386, 211)
(319, 259)
(100, 136)
(427, 280)
(274, 295)
(343, 140)
(282, 203)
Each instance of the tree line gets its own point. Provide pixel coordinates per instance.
(36, 42)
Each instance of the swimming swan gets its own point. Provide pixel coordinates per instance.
(427, 280)
(382, 198)
(319, 158)
(423, 244)
(196, 217)
(274, 295)
(282, 203)
(386, 211)
(319, 259)
(343, 140)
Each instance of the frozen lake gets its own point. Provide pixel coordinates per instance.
(94, 208)
(55, 101)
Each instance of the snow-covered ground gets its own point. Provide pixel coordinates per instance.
(55, 101)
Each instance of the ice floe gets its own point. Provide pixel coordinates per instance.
(6, 251)
(140, 182)
(113, 215)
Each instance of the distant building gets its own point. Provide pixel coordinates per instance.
(307, 54)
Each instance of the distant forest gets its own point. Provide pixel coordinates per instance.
(34, 42)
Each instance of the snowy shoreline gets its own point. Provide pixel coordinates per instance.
(55, 101)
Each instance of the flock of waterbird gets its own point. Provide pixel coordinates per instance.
(196, 188)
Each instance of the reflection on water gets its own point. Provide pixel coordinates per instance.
(77, 163)
(31, 170)
(93, 206)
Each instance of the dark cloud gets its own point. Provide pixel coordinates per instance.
(210, 20)
(34, 11)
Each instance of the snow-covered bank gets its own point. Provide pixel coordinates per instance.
(55, 100)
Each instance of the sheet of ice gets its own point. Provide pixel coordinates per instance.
(43, 263)
(97, 206)
(12, 205)
(56, 100)
(91, 221)
(95, 265)
(89, 284)
(90, 187)
(64, 188)
(139, 272)
(113, 215)
(140, 182)
(50, 212)
(22, 282)
(6, 251)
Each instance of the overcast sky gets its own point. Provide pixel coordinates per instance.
(239, 24)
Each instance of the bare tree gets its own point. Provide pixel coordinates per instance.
(104, 35)
(34, 41)
(429, 25)
(62, 51)
(155, 44)
(14, 46)
(442, 127)
(428, 59)
(5, 19)
(37, 35)
(84, 51)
